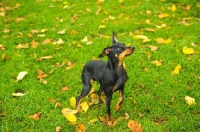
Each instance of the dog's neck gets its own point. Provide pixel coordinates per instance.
(115, 66)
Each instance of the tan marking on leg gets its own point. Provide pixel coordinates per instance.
(78, 106)
(118, 105)
(102, 97)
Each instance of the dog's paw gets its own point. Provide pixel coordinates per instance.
(117, 108)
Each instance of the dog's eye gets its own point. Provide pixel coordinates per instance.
(119, 48)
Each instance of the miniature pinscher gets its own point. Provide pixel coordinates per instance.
(111, 75)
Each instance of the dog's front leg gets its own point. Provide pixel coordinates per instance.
(121, 99)
(108, 116)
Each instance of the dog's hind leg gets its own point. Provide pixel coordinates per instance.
(86, 80)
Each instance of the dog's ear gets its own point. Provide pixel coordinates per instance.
(106, 51)
(115, 38)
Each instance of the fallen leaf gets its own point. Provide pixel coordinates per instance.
(67, 111)
(159, 121)
(21, 75)
(58, 128)
(41, 74)
(163, 41)
(158, 63)
(36, 116)
(57, 104)
(173, 8)
(71, 118)
(153, 48)
(34, 44)
(176, 70)
(163, 15)
(98, 10)
(22, 46)
(62, 31)
(190, 100)
(100, 1)
(41, 35)
(46, 41)
(102, 26)
(19, 19)
(84, 106)
(161, 26)
(72, 102)
(60, 41)
(69, 65)
(2, 47)
(89, 42)
(81, 128)
(149, 29)
(63, 89)
(116, 121)
(45, 58)
(34, 31)
(43, 81)
(85, 39)
(18, 94)
(126, 116)
(135, 126)
(188, 51)
(44, 30)
(94, 120)
(74, 32)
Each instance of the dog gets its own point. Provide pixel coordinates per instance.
(111, 75)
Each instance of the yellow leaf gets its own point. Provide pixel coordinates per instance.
(163, 15)
(120, 1)
(190, 100)
(188, 51)
(72, 102)
(163, 41)
(168, 41)
(58, 128)
(36, 116)
(146, 40)
(62, 31)
(102, 26)
(71, 118)
(85, 39)
(84, 106)
(94, 120)
(158, 63)
(43, 30)
(173, 8)
(21, 75)
(18, 94)
(176, 70)
(81, 128)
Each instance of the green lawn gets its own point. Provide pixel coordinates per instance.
(154, 97)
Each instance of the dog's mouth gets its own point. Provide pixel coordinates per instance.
(129, 51)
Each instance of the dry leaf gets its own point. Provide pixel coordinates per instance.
(81, 128)
(22, 46)
(74, 32)
(163, 41)
(63, 89)
(67, 111)
(69, 65)
(44, 30)
(45, 58)
(36, 116)
(149, 29)
(190, 100)
(176, 70)
(98, 10)
(21, 75)
(135, 126)
(58, 104)
(18, 94)
(34, 44)
(159, 121)
(2, 47)
(46, 41)
(41, 74)
(58, 128)
(126, 116)
(84, 106)
(60, 41)
(158, 63)
(153, 48)
(100, 1)
(72, 102)
(34, 31)
(163, 15)
(62, 31)
(71, 118)
(94, 120)
(173, 8)
(85, 39)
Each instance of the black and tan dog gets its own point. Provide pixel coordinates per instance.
(111, 75)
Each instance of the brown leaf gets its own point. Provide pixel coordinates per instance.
(67, 111)
(74, 32)
(58, 128)
(69, 65)
(126, 116)
(63, 89)
(160, 121)
(45, 58)
(34, 44)
(98, 10)
(41, 74)
(2, 47)
(58, 104)
(19, 19)
(36, 116)
(52, 100)
(34, 31)
(135, 126)
(81, 128)
(46, 41)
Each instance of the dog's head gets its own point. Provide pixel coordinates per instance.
(117, 50)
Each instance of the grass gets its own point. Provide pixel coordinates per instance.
(154, 98)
